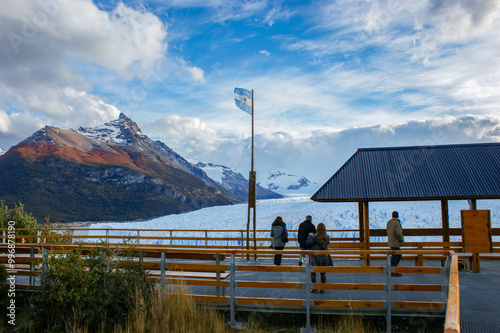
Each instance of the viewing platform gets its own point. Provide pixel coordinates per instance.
(431, 289)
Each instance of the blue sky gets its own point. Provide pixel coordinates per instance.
(329, 76)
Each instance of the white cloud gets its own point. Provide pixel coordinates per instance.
(264, 52)
(317, 154)
(5, 123)
(197, 74)
(15, 127)
(46, 42)
(188, 133)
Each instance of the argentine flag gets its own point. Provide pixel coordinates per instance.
(243, 99)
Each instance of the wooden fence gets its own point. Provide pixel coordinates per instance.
(376, 289)
(237, 240)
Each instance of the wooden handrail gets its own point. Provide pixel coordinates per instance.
(452, 319)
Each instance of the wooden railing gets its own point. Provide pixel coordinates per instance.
(452, 319)
(378, 298)
(201, 238)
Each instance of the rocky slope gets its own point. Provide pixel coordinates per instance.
(109, 172)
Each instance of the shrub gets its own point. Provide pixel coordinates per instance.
(19, 216)
(96, 293)
(173, 310)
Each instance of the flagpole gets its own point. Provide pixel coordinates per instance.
(252, 194)
(254, 187)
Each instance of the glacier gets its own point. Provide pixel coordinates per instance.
(221, 221)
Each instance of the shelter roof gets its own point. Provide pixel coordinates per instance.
(465, 171)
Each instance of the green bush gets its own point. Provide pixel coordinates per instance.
(96, 293)
(21, 218)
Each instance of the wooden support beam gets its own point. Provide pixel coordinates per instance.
(445, 221)
(361, 225)
(367, 231)
(473, 204)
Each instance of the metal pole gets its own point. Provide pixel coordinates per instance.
(217, 273)
(254, 183)
(308, 270)
(242, 245)
(389, 298)
(162, 269)
(232, 299)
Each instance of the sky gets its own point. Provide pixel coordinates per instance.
(328, 77)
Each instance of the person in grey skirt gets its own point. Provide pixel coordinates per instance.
(280, 237)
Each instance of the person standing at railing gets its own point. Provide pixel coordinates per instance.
(280, 237)
(305, 228)
(395, 239)
(319, 242)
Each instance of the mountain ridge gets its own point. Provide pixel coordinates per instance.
(111, 171)
(234, 181)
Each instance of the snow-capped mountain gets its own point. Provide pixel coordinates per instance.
(289, 184)
(234, 181)
(112, 171)
(2, 151)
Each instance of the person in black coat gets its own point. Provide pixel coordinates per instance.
(305, 228)
(280, 237)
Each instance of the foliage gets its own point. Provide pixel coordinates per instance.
(97, 292)
(21, 218)
(173, 310)
(48, 235)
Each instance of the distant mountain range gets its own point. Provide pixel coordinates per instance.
(286, 183)
(108, 172)
(274, 185)
(234, 181)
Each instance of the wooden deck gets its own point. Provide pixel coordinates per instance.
(351, 286)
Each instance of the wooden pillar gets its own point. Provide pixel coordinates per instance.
(367, 231)
(473, 204)
(445, 221)
(361, 226)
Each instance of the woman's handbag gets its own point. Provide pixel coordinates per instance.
(284, 236)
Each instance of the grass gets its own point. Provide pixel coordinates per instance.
(171, 310)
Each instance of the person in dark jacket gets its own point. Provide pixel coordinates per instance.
(319, 242)
(279, 235)
(395, 239)
(305, 228)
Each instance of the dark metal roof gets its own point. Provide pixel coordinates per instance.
(467, 171)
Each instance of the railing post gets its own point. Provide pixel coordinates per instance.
(138, 237)
(170, 238)
(162, 269)
(232, 299)
(206, 241)
(32, 265)
(37, 236)
(72, 236)
(3, 236)
(217, 273)
(107, 236)
(242, 245)
(389, 296)
(308, 270)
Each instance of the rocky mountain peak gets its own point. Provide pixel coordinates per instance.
(119, 131)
